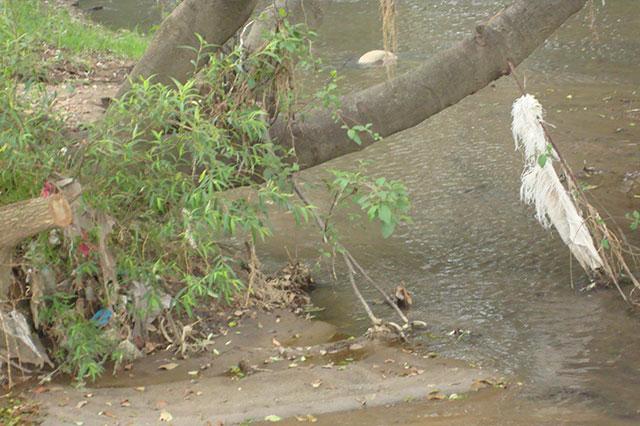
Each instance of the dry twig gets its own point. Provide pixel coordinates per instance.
(352, 265)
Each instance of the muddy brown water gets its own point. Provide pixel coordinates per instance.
(474, 256)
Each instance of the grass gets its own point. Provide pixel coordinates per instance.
(54, 26)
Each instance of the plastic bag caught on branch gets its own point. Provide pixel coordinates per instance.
(17, 341)
(541, 186)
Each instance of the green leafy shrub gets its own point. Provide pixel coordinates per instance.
(82, 347)
(158, 175)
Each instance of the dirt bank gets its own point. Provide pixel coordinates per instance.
(82, 95)
(290, 369)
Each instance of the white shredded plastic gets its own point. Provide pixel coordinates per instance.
(541, 186)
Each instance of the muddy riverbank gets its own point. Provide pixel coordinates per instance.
(269, 365)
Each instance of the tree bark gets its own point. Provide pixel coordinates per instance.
(167, 58)
(22, 220)
(406, 101)
(310, 12)
(448, 77)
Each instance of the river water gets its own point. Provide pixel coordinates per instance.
(474, 257)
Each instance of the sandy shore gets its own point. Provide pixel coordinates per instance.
(292, 369)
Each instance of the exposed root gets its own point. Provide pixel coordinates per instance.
(389, 31)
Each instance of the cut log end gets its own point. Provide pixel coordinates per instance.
(25, 219)
(60, 211)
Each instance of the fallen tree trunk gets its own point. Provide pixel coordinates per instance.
(448, 77)
(25, 219)
(171, 52)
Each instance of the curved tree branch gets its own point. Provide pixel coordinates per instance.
(448, 77)
(170, 54)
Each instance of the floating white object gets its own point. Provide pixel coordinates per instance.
(377, 58)
(542, 188)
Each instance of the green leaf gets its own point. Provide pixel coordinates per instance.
(605, 244)
(387, 229)
(354, 136)
(282, 12)
(371, 212)
(272, 418)
(634, 217)
(542, 160)
(384, 213)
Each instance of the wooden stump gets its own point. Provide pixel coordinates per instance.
(25, 219)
